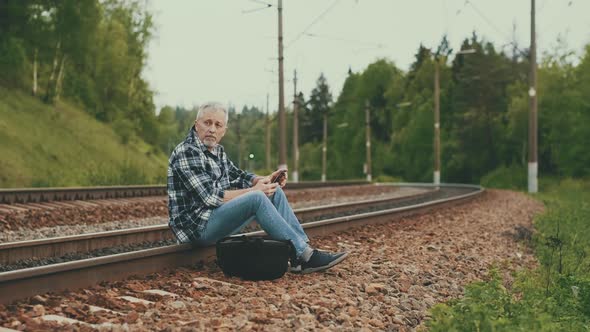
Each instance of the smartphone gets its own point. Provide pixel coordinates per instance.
(279, 176)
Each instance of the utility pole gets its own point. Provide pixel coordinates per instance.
(325, 146)
(240, 164)
(436, 121)
(368, 140)
(282, 119)
(295, 172)
(267, 135)
(533, 166)
(437, 60)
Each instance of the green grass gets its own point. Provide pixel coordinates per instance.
(44, 145)
(553, 297)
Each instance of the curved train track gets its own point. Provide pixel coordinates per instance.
(35, 195)
(22, 283)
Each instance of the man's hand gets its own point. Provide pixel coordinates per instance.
(264, 185)
(282, 174)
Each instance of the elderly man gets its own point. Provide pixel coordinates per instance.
(210, 198)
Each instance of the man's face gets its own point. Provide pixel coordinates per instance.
(211, 127)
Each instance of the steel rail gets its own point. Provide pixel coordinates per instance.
(19, 284)
(34, 195)
(12, 252)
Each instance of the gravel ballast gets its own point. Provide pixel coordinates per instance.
(393, 275)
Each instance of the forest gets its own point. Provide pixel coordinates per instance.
(92, 54)
(484, 106)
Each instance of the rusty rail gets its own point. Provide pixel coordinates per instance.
(12, 252)
(34, 195)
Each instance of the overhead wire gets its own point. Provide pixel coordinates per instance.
(316, 20)
(488, 21)
(495, 27)
(461, 9)
(449, 27)
(262, 2)
(266, 5)
(542, 6)
(446, 13)
(553, 22)
(346, 40)
(503, 33)
(247, 11)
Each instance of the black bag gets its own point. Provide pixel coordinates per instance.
(253, 257)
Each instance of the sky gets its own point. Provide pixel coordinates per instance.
(227, 50)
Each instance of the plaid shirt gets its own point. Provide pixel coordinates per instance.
(197, 180)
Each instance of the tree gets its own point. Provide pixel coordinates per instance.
(318, 108)
(565, 106)
(347, 137)
(478, 107)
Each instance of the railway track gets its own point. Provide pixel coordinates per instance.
(27, 282)
(36, 195)
(13, 252)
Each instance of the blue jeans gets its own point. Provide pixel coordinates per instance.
(274, 215)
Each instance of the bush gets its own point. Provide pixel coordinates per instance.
(124, 129)
(310, 163)
(553, 297)
(12, 62)
(109, 175)
(489, 306)
(512, 177)
(387, 178)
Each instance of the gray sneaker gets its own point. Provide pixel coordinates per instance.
(319, 261)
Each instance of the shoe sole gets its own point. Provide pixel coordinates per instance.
(325, 267)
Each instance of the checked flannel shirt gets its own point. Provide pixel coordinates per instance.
(197, 180)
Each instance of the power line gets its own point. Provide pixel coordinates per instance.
(446, 12)
(459, 11)
(488, 21)
(346, 40)
(247, 11)
(449, 27)
(316, 20)
(503, 33)
(495, 27)
(542, 6)
(553, 22)
(261, 2)
(266, 5)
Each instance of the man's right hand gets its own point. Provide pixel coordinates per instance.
(279, 176)
(266, 186)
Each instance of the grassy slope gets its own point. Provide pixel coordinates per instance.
(42, 145)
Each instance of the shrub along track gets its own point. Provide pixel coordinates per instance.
(395, 272)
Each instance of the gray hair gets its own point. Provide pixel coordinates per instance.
(213, 107)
